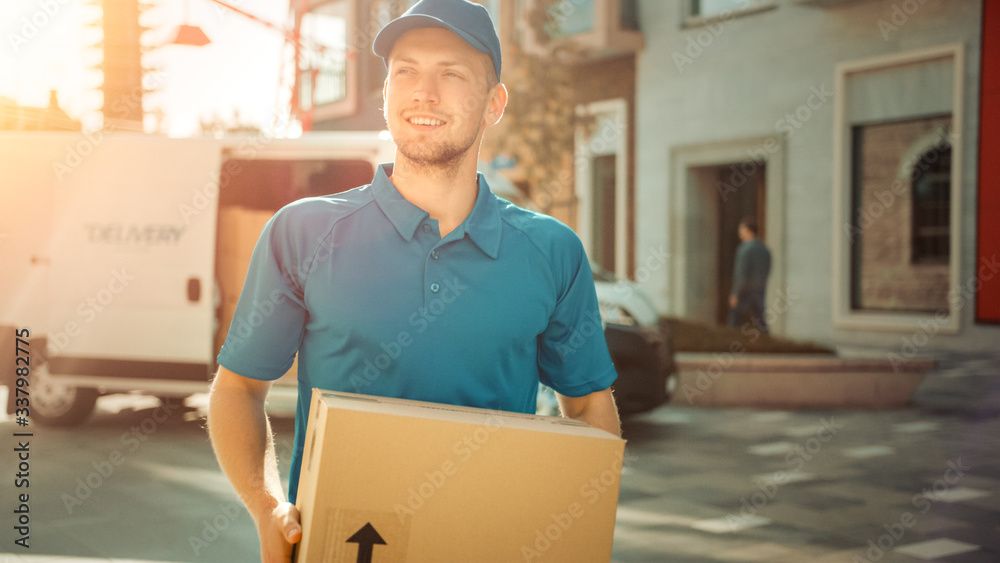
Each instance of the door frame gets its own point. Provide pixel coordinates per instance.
(769, 148)
(601, 142)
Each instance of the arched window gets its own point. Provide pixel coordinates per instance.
(931, 223)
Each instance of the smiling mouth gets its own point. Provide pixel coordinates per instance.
(425, 121)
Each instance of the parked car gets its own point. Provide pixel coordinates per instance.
(641, 351)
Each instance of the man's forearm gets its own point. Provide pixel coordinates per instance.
(603, 416)
(597, 409)
(243, 443)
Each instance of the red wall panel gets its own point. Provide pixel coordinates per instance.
(988, 302)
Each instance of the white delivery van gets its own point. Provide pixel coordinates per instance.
(122, 255)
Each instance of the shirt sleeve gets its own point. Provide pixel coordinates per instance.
(573, 355)
(269, 321)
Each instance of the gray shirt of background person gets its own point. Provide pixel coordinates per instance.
(753, 264)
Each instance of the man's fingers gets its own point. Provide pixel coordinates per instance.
(293, 531)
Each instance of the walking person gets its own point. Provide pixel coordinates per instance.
(750, 271)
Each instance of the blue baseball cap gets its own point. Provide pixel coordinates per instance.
(468, 20)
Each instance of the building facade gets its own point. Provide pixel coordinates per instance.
(850, 131)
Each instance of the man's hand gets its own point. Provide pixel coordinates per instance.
(278, 530)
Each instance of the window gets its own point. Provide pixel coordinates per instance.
(323, 62)
(571, 17)
(603, 182)
(713, 8)
(932, 207)
(599, 28)
(897, 133)
(327, 82)
(901, 220)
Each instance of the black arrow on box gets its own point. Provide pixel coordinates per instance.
(366, 538)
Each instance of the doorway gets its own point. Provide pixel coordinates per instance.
(746, 201)
(604, 228)
(728, 193)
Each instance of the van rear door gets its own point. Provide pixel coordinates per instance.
(132, 277)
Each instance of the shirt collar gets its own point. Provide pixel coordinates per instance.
(483, 225)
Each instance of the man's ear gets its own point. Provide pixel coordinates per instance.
(496, 105)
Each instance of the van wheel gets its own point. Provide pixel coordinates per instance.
(58, 404)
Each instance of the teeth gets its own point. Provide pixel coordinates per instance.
(425, 121)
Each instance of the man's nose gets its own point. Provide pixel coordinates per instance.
(426, 89)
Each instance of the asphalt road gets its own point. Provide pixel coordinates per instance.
(138, 480)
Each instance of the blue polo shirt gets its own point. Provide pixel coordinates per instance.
(364, 288)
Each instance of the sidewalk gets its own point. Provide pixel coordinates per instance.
(899, 486)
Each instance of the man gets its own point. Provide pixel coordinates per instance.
(421, 285)
(753, 264)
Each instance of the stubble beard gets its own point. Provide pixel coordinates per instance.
(444, 155)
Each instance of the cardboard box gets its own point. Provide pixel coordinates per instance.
(397, 480)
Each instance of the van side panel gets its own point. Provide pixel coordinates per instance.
(132, 257)
(28, 165)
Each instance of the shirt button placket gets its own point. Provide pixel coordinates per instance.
(435, 287)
